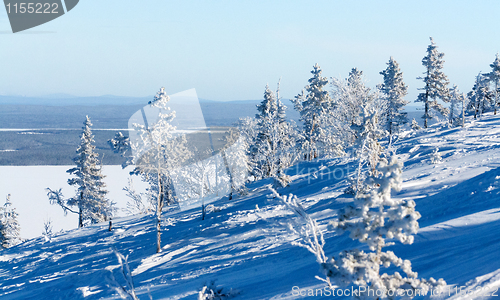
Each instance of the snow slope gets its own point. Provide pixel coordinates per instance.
(246, 246)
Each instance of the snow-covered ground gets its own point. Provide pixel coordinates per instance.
(247, 247)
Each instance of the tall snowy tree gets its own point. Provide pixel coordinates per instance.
(351, 98)
(457, 99)
(90, 202)
(367, 147)
(494, 78)
(275, 139)
(394, 90)
(315, 110)
(10, 230)
(480, 97)
(436, 84)
(266, 144)
(157, 154)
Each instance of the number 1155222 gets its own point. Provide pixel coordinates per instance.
(32, 8)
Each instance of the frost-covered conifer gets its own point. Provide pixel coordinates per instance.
(494, 78)
(267, 142)
(480, 96)
(414, 124)
(10, 230)
(436, 84)
(457, 99)
(315, 110)
(394, 90)
(272, 152)
(90, 202)
(376, 219)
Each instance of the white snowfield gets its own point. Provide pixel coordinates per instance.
(247, 247)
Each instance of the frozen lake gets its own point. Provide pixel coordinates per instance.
(27, 185)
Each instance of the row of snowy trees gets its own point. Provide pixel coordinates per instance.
(351, 116)
(332, 122)
(482, 98)
(162, 158)
(175, 169)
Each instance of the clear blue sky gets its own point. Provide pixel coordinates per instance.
(229, 50)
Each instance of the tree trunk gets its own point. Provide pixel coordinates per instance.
(159, 207)
(311, 154)
(463, 111)
(228, 171)
(496, 96)
(80, 212)
(426, 99)
(426, 112)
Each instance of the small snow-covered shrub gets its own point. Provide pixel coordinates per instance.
(210, 208)
(9, 225)
(47, 230)
(213, 292)
(282, 181)
(414, 125)
(436, 157)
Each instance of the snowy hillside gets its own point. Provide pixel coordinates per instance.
(244, 244)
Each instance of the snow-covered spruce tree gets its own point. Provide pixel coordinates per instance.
(394, 90)
(272, 152)
(90, 202)
(414, 124)
(457, 99)
(156, 155)
(436, 84)
(494, 78)
(480, 96)
(10, 230)
(266, 144)
(288, 136)
(315, 110)
(121, 144)
(376, 219)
